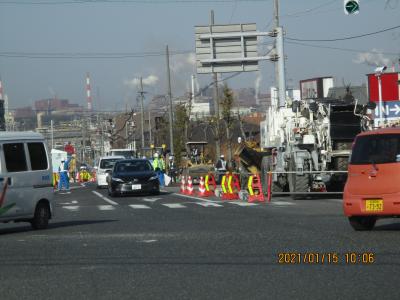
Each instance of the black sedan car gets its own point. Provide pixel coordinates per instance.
(133, 176)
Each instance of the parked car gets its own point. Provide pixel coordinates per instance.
(133, 176)
(25, 179)
(105, 164)
(372, 190)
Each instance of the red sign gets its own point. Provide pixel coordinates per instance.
(390, 84)
(69, 149)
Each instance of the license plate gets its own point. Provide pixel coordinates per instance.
(136, 186)
(374, 205)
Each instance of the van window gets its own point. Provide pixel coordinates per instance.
(14, 155)
(376, 148)
(108, 163)
(37, 154)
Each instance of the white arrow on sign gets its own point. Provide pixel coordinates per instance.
(396, 109)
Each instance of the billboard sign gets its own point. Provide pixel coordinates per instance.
(390, 87)
(227, 48)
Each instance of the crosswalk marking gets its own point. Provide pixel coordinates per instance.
(71, 208)
(174, 205)
(151, 199)
(106, 207)
(139, 206)
(243, 203)
(209, 204)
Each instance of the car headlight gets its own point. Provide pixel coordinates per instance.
(117, 179)
(153, 177)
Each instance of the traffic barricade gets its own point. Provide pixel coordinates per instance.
(230, 185)
(254, 188)
(183, 185)
(210, 184)
(189, 187)
(202, 188)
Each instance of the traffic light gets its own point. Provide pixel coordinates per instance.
(351, 7)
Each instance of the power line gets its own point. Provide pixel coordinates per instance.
(341, 49)
(344, 38)
(81, 55)
(123, 2)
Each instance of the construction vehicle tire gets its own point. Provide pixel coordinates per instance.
(298, 183)
(266, 166)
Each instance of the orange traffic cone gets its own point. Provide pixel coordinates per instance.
(202, 188)
(189, 187)
(183, 185)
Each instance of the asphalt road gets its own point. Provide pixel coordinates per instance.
(172, 247)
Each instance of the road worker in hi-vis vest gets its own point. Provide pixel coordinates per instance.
(159, 167)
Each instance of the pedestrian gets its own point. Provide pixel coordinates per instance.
(159, 167)
(63, 175)
(220, 167)
(172, 168)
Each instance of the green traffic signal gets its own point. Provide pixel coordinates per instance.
(352, 7)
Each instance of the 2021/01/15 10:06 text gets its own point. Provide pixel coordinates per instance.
(292, 258)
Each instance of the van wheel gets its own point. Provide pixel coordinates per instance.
(41, 217)
(362, 223)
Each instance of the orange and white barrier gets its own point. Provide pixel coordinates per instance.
(210, 185)
(202, 189)
(183, 185)
(254, 188)
(189, 187)
(230, 185)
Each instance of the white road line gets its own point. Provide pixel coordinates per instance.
(174, 205)
(104, 198)
(151, 199)
(282, 203)
(106, 207)
(208, 204)
(72, 208)
(196, 198)
(243, 203)
(139, 206)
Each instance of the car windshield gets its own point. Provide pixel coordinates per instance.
(377, 148)
(108, 163)
(133, 166)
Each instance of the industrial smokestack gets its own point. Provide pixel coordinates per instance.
(88, 93)
(2, 119)
(193, 89)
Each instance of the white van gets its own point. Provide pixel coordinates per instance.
(25, 179)
(105, 164)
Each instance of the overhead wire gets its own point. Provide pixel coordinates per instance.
(344, 38)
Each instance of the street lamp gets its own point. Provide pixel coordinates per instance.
(378, 73)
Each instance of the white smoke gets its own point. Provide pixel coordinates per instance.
(150, 80)
(182, 62)
(373, 58)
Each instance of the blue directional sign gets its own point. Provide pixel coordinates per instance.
(390, 110)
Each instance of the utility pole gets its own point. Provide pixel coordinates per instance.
(216, 102)
(142, 112)
(171, 133)
(276, 24)
(150, 139)
(280, 63)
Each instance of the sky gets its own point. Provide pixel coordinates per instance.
(48, 46)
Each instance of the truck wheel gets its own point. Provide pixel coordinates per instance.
(298, 183)
(41, 217)
(362, 223)
(341, 163)
(266, 166)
